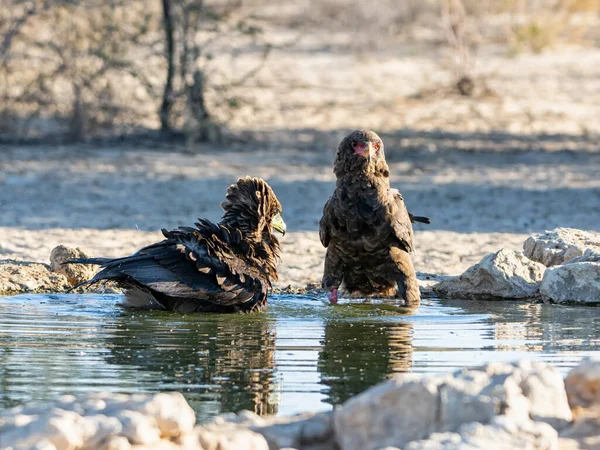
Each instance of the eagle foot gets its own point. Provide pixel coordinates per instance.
(333, 296)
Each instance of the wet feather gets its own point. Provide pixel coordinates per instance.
(225, 267)
(366, 227)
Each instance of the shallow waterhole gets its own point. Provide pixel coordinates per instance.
(300, 355)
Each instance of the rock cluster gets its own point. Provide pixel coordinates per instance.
(496, 406)
(560, 245)
(578, 282)
(18, 277)
(495, 403)
(99, 421)
(562, 265)
(75, 273)
(504, 274)
(21, 277)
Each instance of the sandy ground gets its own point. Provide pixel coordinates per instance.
(482, 188)
(111, 201)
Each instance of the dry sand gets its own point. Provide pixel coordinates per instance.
(483, 189)
(111, 201)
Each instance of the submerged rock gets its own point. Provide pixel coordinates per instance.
(411, 408)
(17, 277)
(572, 283)
(560, 245)
(75, 273)
(504, 274)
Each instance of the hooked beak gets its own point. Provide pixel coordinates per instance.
(278, 224)
(372, 152)
(366, 150)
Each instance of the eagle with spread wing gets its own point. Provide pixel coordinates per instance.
(224, 267)
(365, 226)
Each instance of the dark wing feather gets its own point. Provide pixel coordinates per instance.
(190, 263)
(400, 221)
(325, 224)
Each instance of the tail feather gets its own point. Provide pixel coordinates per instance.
(98, 261)
(84, 283)
(419, 219)
(106, 261)
(101, 275)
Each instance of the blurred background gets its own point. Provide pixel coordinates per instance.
(258, 70)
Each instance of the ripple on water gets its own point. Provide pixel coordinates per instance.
(300, 355)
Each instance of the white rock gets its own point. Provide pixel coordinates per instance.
(9, 420)
(410, 408)
(139, 428)
(583, 384)
(559, 245)
(172, 413)
(57, 427)
(300, 431)
(230, 438)
(312, 431)
(101, 421)
(92, 406)
(115, 443)
(392, 413)
(524, 390)
(44, 444)
(590, 255)
(99, 428)
(545, 390)
(504, 274)
(577, 283)
(502, 434)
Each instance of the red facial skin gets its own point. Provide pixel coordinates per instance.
(365, 149)
(333, 296)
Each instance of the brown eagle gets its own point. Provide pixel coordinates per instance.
(365, 226)
(224, 267)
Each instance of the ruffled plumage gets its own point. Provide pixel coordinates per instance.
(224, 267)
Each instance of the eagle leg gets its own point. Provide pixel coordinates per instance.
(332, 274)
(333, 296)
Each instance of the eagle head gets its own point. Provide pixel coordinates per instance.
(252, 207)
(360, 151)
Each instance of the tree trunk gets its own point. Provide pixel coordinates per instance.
(167, 101)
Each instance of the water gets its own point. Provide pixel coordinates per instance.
(301, 355)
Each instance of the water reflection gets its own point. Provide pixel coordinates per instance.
(357, 355)
(299, 356)
(221, 362)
